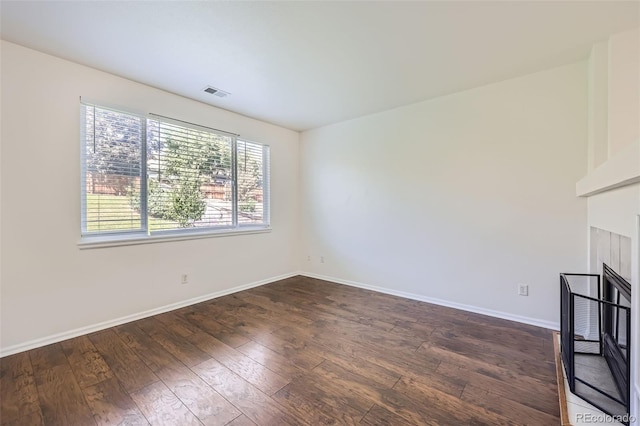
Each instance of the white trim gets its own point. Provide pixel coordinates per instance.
(618, 171)
(105, 240)
(55, 338)
(469, 308)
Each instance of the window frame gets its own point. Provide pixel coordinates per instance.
(144, 235)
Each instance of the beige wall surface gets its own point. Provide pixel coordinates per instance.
(49, 285)
(458, 198)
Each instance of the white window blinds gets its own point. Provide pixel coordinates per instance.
(160, 175)
(111, 170)
(253, 201)
(190, 177)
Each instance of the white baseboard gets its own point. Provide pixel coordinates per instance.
(36, 343)
(469, 308)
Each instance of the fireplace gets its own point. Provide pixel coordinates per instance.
(616, 328)
(595, 335)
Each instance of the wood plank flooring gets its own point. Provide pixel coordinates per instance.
(295, 352)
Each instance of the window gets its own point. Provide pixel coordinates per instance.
(152, 176)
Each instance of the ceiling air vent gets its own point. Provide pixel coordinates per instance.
(216, 92)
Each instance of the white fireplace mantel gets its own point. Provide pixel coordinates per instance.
(620, 170)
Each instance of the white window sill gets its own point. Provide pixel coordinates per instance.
(103, 241)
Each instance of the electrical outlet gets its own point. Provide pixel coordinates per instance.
(321, 259)
(184, 279)
(308, 258)
(523, 290)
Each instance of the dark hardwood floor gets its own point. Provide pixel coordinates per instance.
(298, 351)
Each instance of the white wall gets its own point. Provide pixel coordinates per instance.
(49, 286)
(624, 90)
(457, 198)
(614, 82)
(597, 151)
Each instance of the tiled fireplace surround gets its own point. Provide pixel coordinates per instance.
(612, 249)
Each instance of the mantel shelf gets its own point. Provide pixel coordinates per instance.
(621, 170)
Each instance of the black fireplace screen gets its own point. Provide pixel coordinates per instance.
(595, 336)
